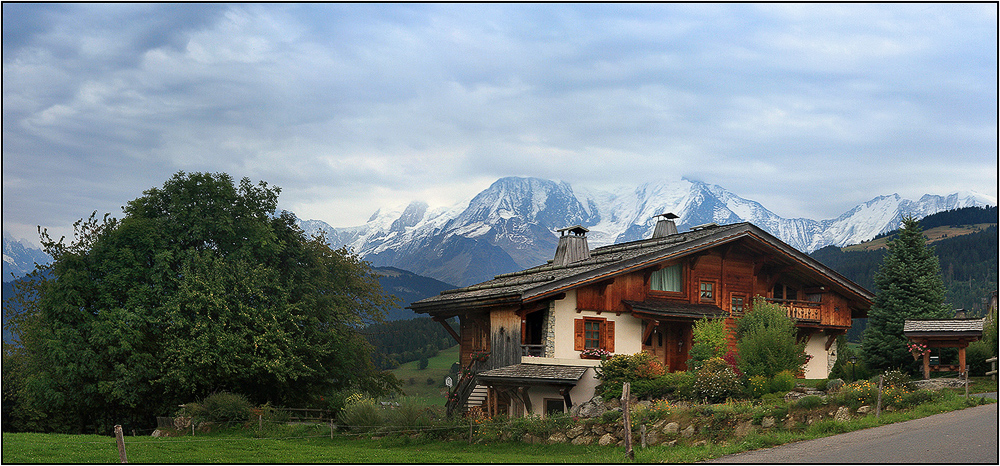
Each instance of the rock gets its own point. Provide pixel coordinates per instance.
(160, 433)
(699, 443)
(658, 425)
(688, 432)
(890, 409)
(557, 437)
(646, 404)
(593, 408)
(576, 431)
(864, 409)
(743, 429)
(767, 422)
(671, 443)
(607, 439)
(653, 438)
(671, 428)
(613, 403)
(843, 414)
(182, 422)
(528, 438)
(583, 440)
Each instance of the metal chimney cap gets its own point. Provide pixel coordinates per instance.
(668, 216)
(575, 229)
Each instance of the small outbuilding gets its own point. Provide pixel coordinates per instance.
(942, 333)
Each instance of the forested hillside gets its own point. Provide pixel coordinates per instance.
(968, 262)
(402, 341)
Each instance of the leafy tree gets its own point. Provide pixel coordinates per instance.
(709, 341)
(909, 287)
(766, 341)
(200, 288)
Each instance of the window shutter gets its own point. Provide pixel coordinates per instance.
(609, 336)
(578, 334)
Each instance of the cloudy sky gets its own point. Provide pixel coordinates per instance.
(809, 109)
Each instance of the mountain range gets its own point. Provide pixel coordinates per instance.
(512, 224)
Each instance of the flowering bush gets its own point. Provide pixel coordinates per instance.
(865, 392)
(716, 381)
(757, 386)
(480, 356)
(596, 353)
(917, 349)
(783, 381)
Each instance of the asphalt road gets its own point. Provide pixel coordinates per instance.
(965, 436)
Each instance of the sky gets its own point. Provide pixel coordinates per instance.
(809, 109)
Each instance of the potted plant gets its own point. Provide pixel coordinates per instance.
(595, 353)
(917, 350)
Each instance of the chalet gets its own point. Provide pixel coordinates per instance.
(523, 335)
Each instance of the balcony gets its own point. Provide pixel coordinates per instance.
(806, 311)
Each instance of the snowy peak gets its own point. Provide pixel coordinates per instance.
(20, 257)
(543, 202)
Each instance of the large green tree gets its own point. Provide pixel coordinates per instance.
(201, 287)
(909, 287)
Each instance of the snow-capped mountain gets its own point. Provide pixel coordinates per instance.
(19, 258)
(512, 224)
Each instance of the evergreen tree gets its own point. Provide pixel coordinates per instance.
(909, 287)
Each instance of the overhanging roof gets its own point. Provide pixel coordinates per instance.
(943, 327)
(545, 281)
(673, 309)
(533, 374)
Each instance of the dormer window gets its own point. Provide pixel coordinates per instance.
(668, 279)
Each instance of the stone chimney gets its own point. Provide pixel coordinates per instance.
(572, 245)
(665, 226)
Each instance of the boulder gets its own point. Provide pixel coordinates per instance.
(576, 431)
(688, 432)
(671, 428)
(843, 414)
(767, 422)
(557, 437)
(593, 408)
(528, 438)
(699, 443)
(583, 440)
(864, 410)
(607, 439)
(743, 429)
(160, 433)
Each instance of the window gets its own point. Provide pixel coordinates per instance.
(667, 279)
(707, 293)
(594, 333)
(737, 303)
(554, 406)
(782, 291)
(591, 334)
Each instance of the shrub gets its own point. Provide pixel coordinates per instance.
(716, 381)
(226, 408)
(676, 385)
(359, 413)
(614, 371)
(757, 386)
(917, 397)
(821, 385)
(782, 382)
(708, 338)
(834, 385)
(897, 378)
(766, 341)
(809, 402)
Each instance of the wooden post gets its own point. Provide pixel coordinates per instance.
(961, 360)
(878, 405)
(121, 444)
(642, 435)
(627, 419)
(966, 383)
(331, 428)
(260, 422)
(927, 365)
(470, 430)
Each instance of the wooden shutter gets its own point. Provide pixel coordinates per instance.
(609, 336)
(578, 335)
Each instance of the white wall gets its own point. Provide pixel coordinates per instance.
(816, 368)
(628, 329)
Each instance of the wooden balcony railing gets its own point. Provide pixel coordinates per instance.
(800, 310)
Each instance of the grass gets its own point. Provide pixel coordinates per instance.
(312, 444)
(437, 369)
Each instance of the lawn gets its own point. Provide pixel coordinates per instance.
(312, 444)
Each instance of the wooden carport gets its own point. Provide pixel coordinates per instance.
(943, 333)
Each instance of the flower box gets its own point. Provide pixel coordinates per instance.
(594, 353)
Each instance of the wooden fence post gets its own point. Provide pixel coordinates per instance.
(121, 444)
(626, 418)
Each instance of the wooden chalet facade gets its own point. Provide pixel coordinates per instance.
(521, 333)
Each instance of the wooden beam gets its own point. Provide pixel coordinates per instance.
(650, 326)
(450, 330)
(829, 340)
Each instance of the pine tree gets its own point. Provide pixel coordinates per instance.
(910, 287)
